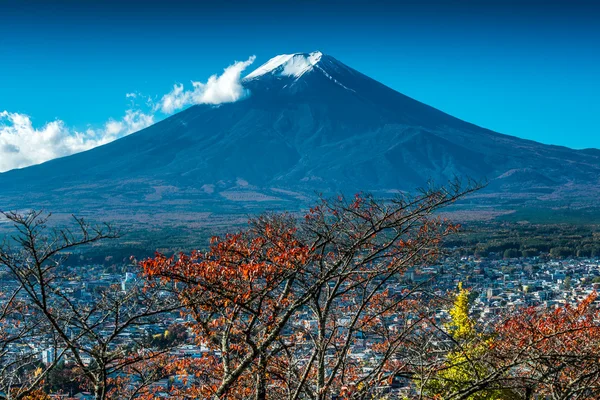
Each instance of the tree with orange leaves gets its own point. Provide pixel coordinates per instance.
(284, 307)
(553, 353)
(240, 296)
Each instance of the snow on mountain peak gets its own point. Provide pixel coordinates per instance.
(288, 65)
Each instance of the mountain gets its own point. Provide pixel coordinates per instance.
(310, 124)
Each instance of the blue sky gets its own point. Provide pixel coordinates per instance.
(528, 68)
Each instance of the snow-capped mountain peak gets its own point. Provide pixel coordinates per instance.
(310, 124)
(294, 65)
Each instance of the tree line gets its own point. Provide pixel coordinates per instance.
(510, 240)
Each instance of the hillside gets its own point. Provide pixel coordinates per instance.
(310, 124)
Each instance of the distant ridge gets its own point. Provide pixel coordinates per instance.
(310, 124)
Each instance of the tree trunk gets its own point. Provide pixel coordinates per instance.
(261, 378)
(528, 393)
(100, 389)
(100, 392)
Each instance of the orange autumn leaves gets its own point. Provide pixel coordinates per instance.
(238, 259)
(236, 295)
(556, 352)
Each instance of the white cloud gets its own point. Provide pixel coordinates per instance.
(22, 144)
(225, 88)
(174, 100)
(133, 121)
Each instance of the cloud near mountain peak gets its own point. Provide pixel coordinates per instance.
(218, 89)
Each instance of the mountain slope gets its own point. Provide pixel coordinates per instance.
(310, 124)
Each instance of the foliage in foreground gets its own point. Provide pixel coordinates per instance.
(317, 308)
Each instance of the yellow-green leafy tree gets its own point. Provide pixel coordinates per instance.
(465, 372)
